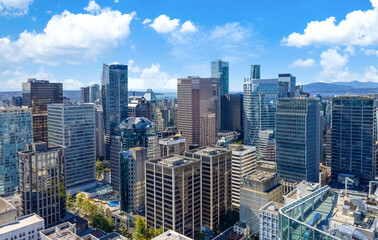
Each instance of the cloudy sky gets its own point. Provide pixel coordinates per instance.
(68, 41)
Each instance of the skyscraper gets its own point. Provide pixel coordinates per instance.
(99, 134)
(196, 111)
(216, 183)
(114, 98)
(73, 126)
(84, 94)
(220, 69)
(37, 94)
(16, 131)
(231, 112)
(298, 139)
(255, 71)
(353, 133)
(94, 93)
(173, 194)
(42, 177)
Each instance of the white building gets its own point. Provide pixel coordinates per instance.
(12, 227)
(171, 235)
(243, 164)
(269, 221)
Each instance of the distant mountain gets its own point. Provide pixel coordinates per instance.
(339, 88)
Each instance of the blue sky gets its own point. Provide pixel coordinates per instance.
(67, 41)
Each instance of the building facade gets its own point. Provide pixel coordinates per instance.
(16, 131)
(269, 221)
(99, 134)
(73, 126)
(172, 145)
(231, 119)
(42, 178)
(37, 94)
(298, 139)
(220, 69)
(173, 194)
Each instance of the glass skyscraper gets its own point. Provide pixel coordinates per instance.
(298, 139)
(16, 131)
(114, 98)
(353, 134)
(220, 69)
(255, 71)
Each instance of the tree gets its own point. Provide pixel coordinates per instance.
(102, 166)
(124, 231)
(144, 233)
(100, 221)
(70, 201)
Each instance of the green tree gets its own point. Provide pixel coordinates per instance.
(99, 220)
(102, 166)
(144, 233)
(70, 201)
(124, 231)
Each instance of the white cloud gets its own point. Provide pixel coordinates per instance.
(72, 84)
(147, 20)
(350, 50)
(359, 28)
(369, 52)
(303, 63)
(231, 32)
(163, 24)
(68, 37)
(14, 7)
(332, 63)
(153, 77)
(132, 67)
(12, 80)
(93, 7)
(188, 27)
(116, 1)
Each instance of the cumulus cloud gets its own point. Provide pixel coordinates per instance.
(14, 7)
(71, 38)
(332, 63)
(303, 63)
(132, 67)
(72, 84)
(147, 20)
(359, 28)
(164, 24)
(369, 52)
(92, 7)
(12, 80)
(153, 76)
(188, 27)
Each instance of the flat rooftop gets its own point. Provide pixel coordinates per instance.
(272, 207)
(209, 151)
(260, 176)
(171, 235)
(22, 222)
(172, 161)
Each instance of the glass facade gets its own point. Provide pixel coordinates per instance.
(220, 69)
(255, 71)
(16, 131)
(298, 139)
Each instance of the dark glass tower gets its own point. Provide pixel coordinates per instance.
(220, 69)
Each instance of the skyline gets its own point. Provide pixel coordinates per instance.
(68, 42)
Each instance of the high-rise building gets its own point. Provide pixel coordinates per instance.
(269, 221)
(172, 145)
(216, 183)
(258, 189)
(132, 181)
(16, 131)
(73, 126)
(231, 112)
(353, 132)
(196, 111)
(84, 94)
(220, 69)
(42, 182)
(263, 139)
(94, 93)
(217, 102)
(37, 94)
(173, 194)
(114, 93)
(133, 132)
(243, 164)
(255, 71)
(99, 134)
(291, 80)
(139, 107)
(150, 96)
(298, 139)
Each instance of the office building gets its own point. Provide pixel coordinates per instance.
(84, 94)
(263, 139)
(231, 112)
(14, 227)
(171, 235)
(132, 182)
(150, 96)
(94, 93)
(73, 126)
(134, 132)
(258, 189)
(99, 132)
(16, 131)
(196, 111)
(16, 101)
(173, 194)
(220, 70)
(42, 182)
(269, 221)
(291, 80)
(353, 133)
(37, 94)
(243, 164)
(114, 93)
(255, 71)
(298, 139)
(139, 107)
(216, 183)
(172, 145)
(271, 150)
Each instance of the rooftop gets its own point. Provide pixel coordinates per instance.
(272, 207)
(21, 222)
(171, 235)
(261, 176)
(136, 123)
(209, 151)
(172, 161)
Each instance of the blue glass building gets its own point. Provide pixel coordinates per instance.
(220, 69)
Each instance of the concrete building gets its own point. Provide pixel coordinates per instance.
(173, 194)
(243, 164)
(264, 137)
(354, 136)
(171, 235)
(16, 131)
(139, 107)
(172, 145)
(216, 183)
(196, 114)
(42, 178)
(99, 134)
(37, 94)
(258, 189)
(132, 181)
(298, 139)
(73, 126)
(269, 221)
